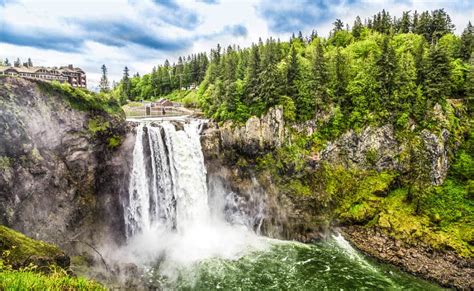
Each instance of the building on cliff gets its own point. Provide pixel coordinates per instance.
(74, 76)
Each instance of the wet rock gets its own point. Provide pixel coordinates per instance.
(58, 183)
(257, 135)
(445, 267)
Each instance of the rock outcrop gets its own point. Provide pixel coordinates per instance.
(284, 216)
(62, 170)
(378, 148)
(257, 135)
(295, 216)
(18, 251)
(444, 267)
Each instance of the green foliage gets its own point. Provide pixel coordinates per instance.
(82, 99)
(382, 71)
(437, 84)
(28, 279)
(17, 248)
(4, 163)
(98, 125)
(114, 141)
(289, 109)
(100, 128)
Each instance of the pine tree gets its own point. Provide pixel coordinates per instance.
(104, 82)
(300, 36)
(405, 89)
(414, 24)
(230, 61)
(440, 24)
(30, 63)
(470, 85)
(17, 63)
(420, 62)
(320, 77)
(438, 75)
(357, 28)
(270, 79)
(386, 66)
(467, 42)
(126, 86)
(405, 23)
(339, 82)
(292, 72)
(338, 26)
(7, 62)
(313, 36)
(424, 26)
(252, 75)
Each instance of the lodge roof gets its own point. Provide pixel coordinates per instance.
(53, 70)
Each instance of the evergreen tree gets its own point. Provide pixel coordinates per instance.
(30, 63)
(424, 25)
(339, 82)
(357, 28)
(414, 24)
(270, 79)
(292, 72)
(438, 76)
(230, 61)
(386, 66)
(420, 62)
(470, 85)
(104, 82)
(17, 63)
(338, 26)
(252, 76)
(320, 77)
(405, 88)
(467, 42)
(300, 36)
(7, 62)
(313, 36)
(126, 86)
(405, 23)
(440, 24)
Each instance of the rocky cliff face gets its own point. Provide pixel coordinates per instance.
(299, 216)
(61, 175)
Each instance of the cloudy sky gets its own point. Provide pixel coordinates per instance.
(143, 33)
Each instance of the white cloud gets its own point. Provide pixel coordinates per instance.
(201, 25)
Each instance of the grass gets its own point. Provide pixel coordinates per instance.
(28, 279)
(82, 99)
(188, 98)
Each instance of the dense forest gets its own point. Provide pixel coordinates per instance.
(383, 67)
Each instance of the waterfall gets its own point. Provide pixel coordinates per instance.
(168, 179)
(170, 216)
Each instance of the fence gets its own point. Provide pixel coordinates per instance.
(155, 111)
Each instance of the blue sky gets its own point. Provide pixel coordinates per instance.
(143, 33)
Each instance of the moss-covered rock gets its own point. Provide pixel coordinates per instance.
(18, 250)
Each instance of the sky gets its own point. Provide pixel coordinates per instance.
(141, 34)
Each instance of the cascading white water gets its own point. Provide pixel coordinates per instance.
(168, 181)
(168, 211)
